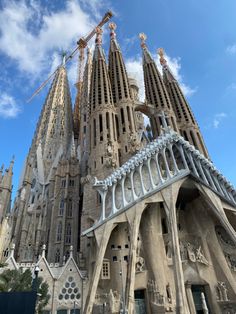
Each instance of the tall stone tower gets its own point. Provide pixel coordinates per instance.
(46, 207)
(158, 104)
(186, 121)
(5, 190)
(125, 118)
(103, 138)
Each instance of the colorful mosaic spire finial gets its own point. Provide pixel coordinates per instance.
(99, 32)
(161, 53)
(112, 27)
(143, 37)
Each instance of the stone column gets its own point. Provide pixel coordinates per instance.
(190, 298)
(134, 218)
(170, 196)
(103, 236)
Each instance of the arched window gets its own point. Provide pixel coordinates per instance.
(69, 209)
(57, 256)
(61, 207)
(6, 252)
(67, 255)
(68, 233)
(59, 231)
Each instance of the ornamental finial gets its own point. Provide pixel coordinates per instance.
(63, 55)
(98, 31)
(112, 27)
(143, 37)
(161, 53)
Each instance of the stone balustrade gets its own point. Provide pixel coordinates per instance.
(163, 161)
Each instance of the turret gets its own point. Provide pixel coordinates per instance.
(157, 97)
(186, 121)
(125, 118)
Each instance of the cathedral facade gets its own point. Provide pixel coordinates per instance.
(122, 218)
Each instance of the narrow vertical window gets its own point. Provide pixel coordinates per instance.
(108, 125)
(57, 256)
(68, 233)
(117, 127)
(100, 127)
(94, 132)
(59, 231)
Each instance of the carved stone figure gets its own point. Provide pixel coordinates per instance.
(200, 257)
(155, 296)
(222, 291)
(22, 195)
(191, 253)
(139, 267)
(134, 144)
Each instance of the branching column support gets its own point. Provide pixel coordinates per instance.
(134, 223)
(104, 236)
(170, 196)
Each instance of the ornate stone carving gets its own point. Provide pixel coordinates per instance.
(155, 296)
(200, 257)
(110, 158)
(192, 252)
(134, 143)
(140, 263)
(222, 291)
(114, 301)
(22, 194)
(86, 179)
(231, 260)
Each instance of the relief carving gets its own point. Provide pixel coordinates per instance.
(155, 296)
(110, 158)
(222, 291)
(134, 143)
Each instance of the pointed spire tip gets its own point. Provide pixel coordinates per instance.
(112, 27)
(143, 38)
(161, 54)
(99, 32)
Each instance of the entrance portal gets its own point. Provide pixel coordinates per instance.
(139, 297)
(197, 290)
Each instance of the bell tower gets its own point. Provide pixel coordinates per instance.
(125, 118)
(186, 121)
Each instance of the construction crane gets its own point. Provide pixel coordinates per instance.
(81, 45)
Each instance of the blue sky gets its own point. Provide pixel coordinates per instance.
(198, 36)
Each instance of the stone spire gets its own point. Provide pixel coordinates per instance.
(103, 150)
(54, 130)
(125, 125)
(186, 121)
(103, 137)
(50, 150)
(155, 91)
(6, 189)
(117, 70)
(84, 137)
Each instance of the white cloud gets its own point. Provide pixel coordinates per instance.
(134, 69)
(218, 119)
(8, 106)
(30, 35)
(232, 86)
(231, 49)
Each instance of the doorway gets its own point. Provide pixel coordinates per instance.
(140, 306)
(197, 290)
